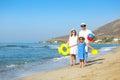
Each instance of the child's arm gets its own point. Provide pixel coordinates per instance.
(89, 46)
(73, 45)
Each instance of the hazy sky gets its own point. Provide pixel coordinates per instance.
(35, 20)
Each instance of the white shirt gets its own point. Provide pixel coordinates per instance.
(84, 33)
(73, 40)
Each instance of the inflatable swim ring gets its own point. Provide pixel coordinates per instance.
(64, 49)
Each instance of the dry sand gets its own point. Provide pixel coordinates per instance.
(105, 67)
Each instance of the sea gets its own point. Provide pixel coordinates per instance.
(22, 59)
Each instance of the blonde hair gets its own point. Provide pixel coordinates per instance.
(72, 31)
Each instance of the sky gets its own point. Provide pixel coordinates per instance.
(38, 20)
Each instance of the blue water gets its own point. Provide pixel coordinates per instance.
(21, 59)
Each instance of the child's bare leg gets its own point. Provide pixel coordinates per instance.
(70, 59)
(80, 63)
(84, 62)
(74, 59)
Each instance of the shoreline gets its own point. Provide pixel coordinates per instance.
(100, 68)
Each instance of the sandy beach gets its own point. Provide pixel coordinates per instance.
(105, 67)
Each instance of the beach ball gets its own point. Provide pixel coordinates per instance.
(90, 37)
(94, 51)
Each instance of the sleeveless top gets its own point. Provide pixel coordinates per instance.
(73, 40)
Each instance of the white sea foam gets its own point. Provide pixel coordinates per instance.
(11, 66)
(106, 48)
(60, 58)
(54, 47)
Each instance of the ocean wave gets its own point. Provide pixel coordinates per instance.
(11, 66)
(40, 47)
(107, 48)
(14, 46)
(45, 46)
(60, 58)
(53, 47)
(24, 46)
(15, 65)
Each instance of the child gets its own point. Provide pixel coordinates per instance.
(81, 50)
(73, 39)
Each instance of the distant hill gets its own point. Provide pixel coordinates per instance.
(111, 29)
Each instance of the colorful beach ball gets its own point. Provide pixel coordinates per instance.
(90, 37)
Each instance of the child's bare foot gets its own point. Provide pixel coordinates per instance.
(71, 65)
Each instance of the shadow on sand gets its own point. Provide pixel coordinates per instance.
(96, 61)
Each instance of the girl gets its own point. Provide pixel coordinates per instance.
(73, 50)
(81, 50)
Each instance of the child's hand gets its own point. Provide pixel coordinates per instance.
(93, 48)
(69, 46)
